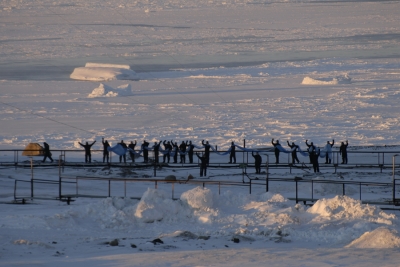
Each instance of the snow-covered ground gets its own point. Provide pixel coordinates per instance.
(220, 71)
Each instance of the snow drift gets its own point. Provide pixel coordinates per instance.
(103, 72)
(337, 80)
(381, 237)
(107, 91)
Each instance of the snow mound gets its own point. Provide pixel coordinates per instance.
(344, 207)
(107, 91)
(198, 198)
(103, 72)
(378, 238)
(155, 205)
(337, 80)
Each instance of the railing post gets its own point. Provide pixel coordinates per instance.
(15, 158)
(267, 173)
(297, 201)
(109, 188)
(155, 167)
(124, 188)
(393, 178)
(31, 177)
(250, 186)
(312, 190)
(15, 189)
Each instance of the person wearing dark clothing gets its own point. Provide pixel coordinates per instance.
(182, 149)
(124, 155)
(343, 151)
(294, 148)
(203, 164)
(106, 153)
(167, 148)
(257, 161)
(315, 156)
(88, 154)
(232, 154)
(311, 149)
(145, 145)
(46, 152)
(175, 149)
(131, 152)
(276, 150)
(156, 148)
(190, 151)
(328, 148)
(207, 147)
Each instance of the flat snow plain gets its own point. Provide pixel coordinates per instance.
(218, 71)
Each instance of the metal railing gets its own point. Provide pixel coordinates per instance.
(357, 159)
(100, 187)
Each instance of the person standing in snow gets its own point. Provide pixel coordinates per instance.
(311, 149)
(167, 148)
(232, 154)
(88, 154)
(257, 161)
(175, 148)
(343, 151)
(145, 145)
(203, 164)
(132, 150)
(315, 155)
(156, 148)
(276, 150)
(190, 151)
(124, 155)
(207, 147)
(328, 150)
(46, 152)
(182, 149)
(106, 153)
(294, 148)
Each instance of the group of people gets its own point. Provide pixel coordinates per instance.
(313, 152)
(172, 149)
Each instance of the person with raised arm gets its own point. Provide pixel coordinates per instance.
(203, 164)
(167, 148)
(328, 150)
(310, 150)
(88, 154)
(106, 153)
(257, 161)
(156, 148)
(276, 150)
(294, 148)
(175, 148)
(131, 146)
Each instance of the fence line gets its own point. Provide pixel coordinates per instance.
(110, 182)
